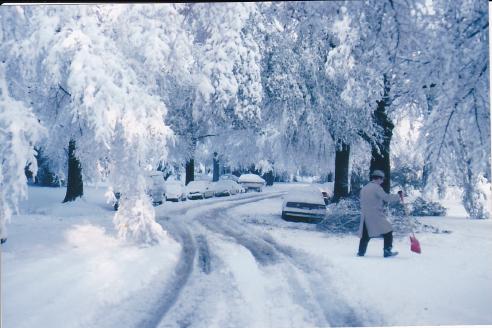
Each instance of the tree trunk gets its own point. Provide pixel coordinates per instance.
(216, 168)
(342, 158)
(190, 170)
(380, 159)
(75, 185)
(269, 178)
(427, 169)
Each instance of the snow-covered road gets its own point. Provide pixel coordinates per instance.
(233, 262)
(234, 274)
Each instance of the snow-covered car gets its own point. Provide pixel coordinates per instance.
(199, 190)
(251, 182)
(156, 189)
(305, 205)
(226, 188)
(228, 176)
(175, 191)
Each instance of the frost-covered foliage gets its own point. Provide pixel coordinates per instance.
(342, 217)
(97, 98)
(228, 59)
(457, 121)
(421, 207)
(19, 132)
(358, 83)
(266, 85)
(223, 91)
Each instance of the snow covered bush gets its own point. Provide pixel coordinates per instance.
(421, 207)
(19, 131)
(45, 175)
(342, 217)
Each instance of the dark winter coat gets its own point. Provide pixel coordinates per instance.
(372, 199)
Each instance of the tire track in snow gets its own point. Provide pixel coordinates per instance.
(181, 274)
(203, 254)
(192, 244)
(335, 310)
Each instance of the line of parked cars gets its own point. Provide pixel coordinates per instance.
(161, 190)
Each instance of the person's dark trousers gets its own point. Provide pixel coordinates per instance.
(388, 240)
(364, 241)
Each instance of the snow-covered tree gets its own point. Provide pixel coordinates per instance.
(19, 133)
(224, 91)
(117, 122)
(457, 125)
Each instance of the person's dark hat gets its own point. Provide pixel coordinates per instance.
(377, 173)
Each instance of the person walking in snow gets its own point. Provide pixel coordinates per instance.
(373, 222)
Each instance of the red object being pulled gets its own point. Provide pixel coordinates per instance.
(414, 244)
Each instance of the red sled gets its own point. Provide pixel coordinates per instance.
(414, 244)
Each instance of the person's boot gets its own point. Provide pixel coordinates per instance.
(360, 254)
(389, 253)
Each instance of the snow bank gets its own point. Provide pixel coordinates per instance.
(63, 263)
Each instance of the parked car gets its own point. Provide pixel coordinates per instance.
(156, 189)
(305, 205)
(175, 191)
(226, 188)
(251, 182)
(199, 190)
(228, 176)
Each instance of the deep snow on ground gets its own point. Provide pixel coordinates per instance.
(233, 262)
(450, 283)
(62, 264)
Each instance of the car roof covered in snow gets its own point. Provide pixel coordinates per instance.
(305, 195)
(250, 178)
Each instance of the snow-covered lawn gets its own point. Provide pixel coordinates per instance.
(450, 283)
(231, 262)
(63, 265)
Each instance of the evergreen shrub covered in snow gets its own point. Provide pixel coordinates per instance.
(342, 217)
(422, 207)
(45, 175)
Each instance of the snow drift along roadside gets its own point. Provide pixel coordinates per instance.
(63, 263)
